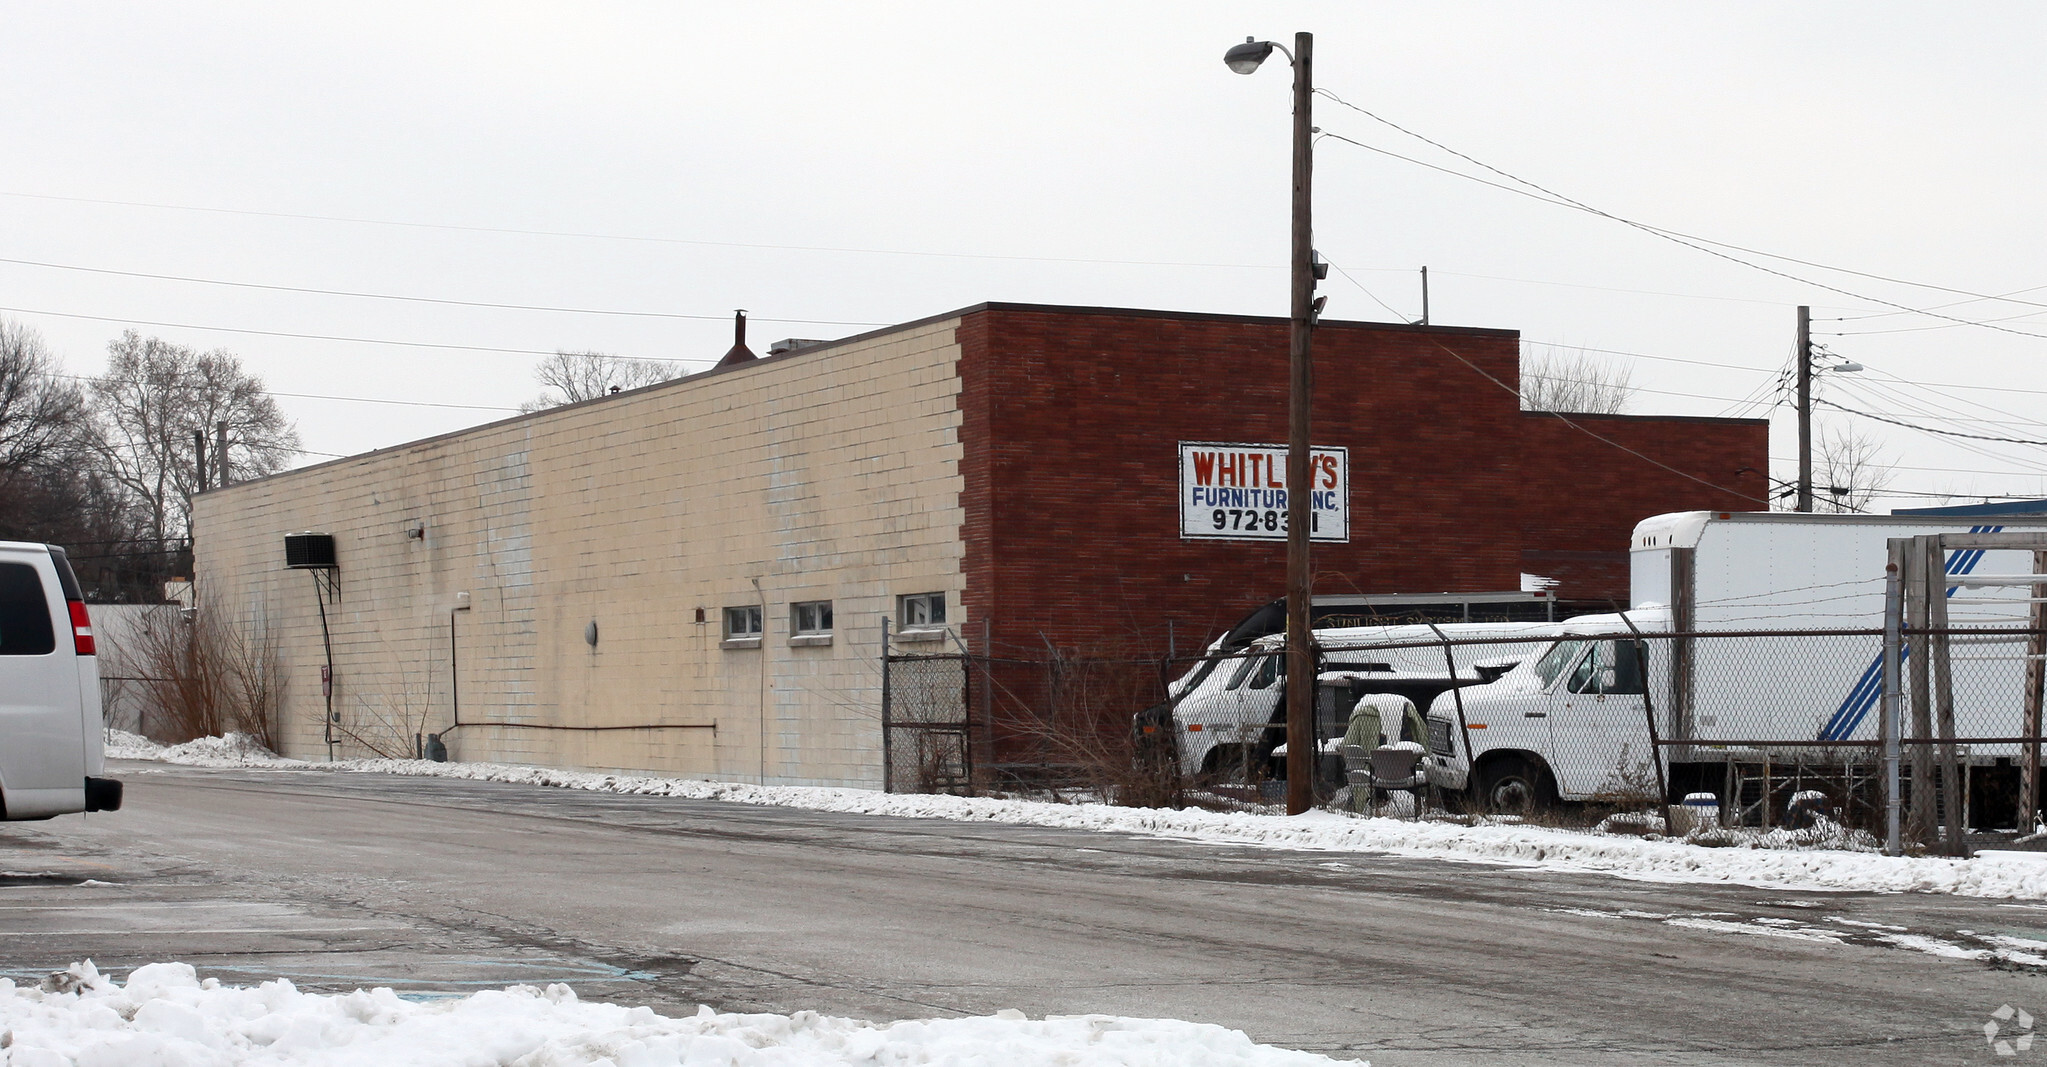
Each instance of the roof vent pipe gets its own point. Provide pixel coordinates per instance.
(739, 353)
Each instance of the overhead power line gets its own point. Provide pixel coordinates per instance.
(418, 299)
(835, 249)
(1567, 420)
(321, 396)
(319, 336)
(1929, 429)
(636, 238)
(1700, 244)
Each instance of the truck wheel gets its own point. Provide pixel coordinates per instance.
(1224, 763)
(1515, 787)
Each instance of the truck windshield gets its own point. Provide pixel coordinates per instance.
(1270, 669)
(1553, 663)
(1244, 670)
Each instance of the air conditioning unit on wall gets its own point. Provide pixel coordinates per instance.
(310, 551)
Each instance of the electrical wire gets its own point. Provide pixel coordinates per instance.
(1631, 388)
(1879, 398)
(1924, 329)
(1700, 244)
(1928, 429)
(1573, 424)
(1936, 307)
(636, 238)
(1605, 288)
(318, 336)
(1559, 198)
(416, 299)
(319, 396)
(1884, 394)
(1934, 470)
(1397, 313)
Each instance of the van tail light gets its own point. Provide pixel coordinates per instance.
(81, 628)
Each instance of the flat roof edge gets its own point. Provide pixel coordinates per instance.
(1575, 416)
(869, 335)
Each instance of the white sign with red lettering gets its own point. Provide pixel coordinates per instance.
(1239, 492)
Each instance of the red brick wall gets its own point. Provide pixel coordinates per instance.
(1072, 420)
(1577, 516)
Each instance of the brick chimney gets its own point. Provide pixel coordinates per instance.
(739, 353)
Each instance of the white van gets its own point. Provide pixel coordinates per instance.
(1557, 726)
(51, 732)
(1228, 717)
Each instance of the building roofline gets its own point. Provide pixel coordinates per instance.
(913, 324)
(1582, 416)
(1216, 316)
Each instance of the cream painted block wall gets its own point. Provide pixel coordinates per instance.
(830, 474)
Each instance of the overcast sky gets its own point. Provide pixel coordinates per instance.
(832, 167)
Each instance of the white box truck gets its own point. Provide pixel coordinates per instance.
(51, 734)
(1573, 723)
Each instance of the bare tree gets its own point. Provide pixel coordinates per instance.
(49, 489)
(204, 675)
(146, 408)
(1562, 379)
(571, 377)
(1848, 470)
(41, 414)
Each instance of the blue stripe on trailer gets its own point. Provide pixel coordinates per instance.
(1867, 689)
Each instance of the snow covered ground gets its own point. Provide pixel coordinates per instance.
(165, 1015)
(2008, 875)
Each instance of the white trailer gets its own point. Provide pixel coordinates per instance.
(1574, 723)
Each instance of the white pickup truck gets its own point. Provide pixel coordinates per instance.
(51, 731)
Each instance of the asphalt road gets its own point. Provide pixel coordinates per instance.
(438, 886)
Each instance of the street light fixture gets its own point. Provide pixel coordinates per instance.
(1244, 58)
(1300, 752)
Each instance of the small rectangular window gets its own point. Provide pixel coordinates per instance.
(25, 626)
(743, 624)
(920, 610)
(810, 618)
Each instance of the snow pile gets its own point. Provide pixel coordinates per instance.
(167, 1016)
(1493, 842)
(1823, 833)
(229, 750)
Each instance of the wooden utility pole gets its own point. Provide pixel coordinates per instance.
(1804, 357)
(1300, 702)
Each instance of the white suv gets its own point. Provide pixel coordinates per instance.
(51, 731)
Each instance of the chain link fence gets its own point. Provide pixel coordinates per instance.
(1774, 728)
(927, 724)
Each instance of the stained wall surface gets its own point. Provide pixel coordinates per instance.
(828, 474)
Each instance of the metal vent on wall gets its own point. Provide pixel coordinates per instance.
(309, 551)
